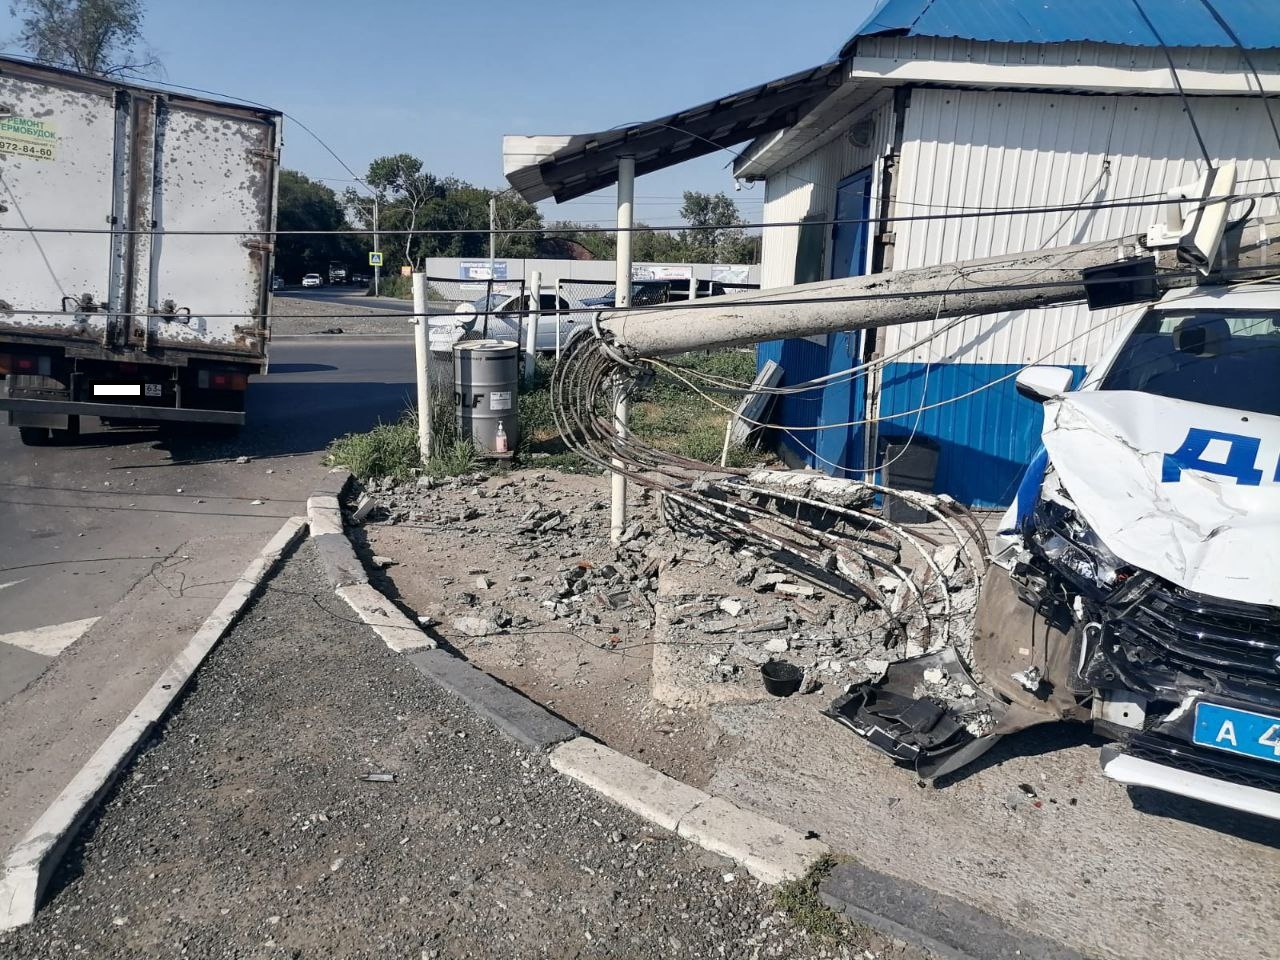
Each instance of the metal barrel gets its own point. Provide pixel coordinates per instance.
(486, 378)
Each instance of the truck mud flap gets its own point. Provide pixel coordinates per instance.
(923, 731)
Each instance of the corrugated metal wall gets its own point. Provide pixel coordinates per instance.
(808, 189)
(999, 149)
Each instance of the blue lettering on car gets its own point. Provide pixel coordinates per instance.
(1241, 462)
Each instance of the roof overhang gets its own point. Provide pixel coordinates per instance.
(566, 167)
(867, 78)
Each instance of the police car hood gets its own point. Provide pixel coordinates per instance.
(1184, 490)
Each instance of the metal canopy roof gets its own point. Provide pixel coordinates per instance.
(565, 167)
(1180, 23)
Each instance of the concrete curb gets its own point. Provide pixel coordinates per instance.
(769, 851)
(346, 574)
(943, 926)
(32, 862)
(514, 714)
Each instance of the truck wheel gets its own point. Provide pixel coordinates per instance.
(34, 436)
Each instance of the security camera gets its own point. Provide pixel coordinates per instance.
(1198, 234)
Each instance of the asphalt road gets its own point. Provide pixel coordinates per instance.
(344, 296)
(114, 549)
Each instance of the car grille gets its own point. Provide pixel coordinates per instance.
(1205, 634)
(1208, 763)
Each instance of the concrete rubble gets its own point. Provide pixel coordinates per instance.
(541, 559)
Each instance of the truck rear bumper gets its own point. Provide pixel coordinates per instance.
(121, 411)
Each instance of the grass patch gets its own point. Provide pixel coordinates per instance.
(667, 415)
(800, 899)
(391, 449)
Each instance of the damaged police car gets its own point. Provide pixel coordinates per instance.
(1137, 581)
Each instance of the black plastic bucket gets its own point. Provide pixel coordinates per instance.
(781, 679)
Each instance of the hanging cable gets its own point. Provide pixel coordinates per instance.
(1262, 91)
(1177, 81)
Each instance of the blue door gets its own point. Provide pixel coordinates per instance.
(840, 252)
(846, 401)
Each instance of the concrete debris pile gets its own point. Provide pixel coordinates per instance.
(528, 553)
(539, 553)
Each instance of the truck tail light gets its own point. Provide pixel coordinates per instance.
(221, 380)
(26, 364)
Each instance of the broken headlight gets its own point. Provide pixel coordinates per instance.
(1071, 547)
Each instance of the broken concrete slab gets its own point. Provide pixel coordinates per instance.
(342, 568)
(941, 925)
(511, 712)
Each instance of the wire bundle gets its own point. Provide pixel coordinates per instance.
(837, 542)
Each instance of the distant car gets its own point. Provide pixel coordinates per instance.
(312, 280)
(506, 314)
(277, 283)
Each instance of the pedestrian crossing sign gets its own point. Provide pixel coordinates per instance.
(375, 258)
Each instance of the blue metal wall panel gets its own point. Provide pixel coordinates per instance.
(1181, 23)
(985, 440)
(837, 451)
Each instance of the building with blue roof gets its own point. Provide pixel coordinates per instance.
(1040, 115)
(947, 106)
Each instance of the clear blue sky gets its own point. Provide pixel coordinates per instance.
(444, 80)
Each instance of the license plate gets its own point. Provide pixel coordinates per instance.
(154, 389)
(1237, 731)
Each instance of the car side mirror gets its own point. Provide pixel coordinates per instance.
(1043, 383)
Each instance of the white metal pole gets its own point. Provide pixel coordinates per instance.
(531, 331)
(622, 300)
(422, 357)
(559, 317)
(377, 269)
(493, 233)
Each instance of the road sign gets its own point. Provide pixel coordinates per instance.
(375, 258)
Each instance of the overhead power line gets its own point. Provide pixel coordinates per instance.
(1118, 204)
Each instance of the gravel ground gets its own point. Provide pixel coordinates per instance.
(295, 315)
(245, 830)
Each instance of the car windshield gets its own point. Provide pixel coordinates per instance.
(1224, 358)
(491, 302)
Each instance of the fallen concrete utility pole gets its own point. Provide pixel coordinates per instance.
(1021, 281)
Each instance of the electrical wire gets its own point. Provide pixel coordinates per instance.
(1177, 81)
(1262, 91)
(975, 214)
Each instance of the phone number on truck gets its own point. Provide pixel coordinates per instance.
(22, 148)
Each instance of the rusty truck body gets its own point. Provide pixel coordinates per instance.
(136, 239)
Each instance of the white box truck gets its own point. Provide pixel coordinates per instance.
(135, 252)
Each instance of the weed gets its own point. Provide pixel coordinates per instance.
(800, 899)
(388, 450)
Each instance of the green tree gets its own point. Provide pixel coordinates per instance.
(719, 234)
(304, 204)
(98, 37)
(442, 217)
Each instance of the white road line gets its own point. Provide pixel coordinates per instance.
(49, 641)
(11, 583)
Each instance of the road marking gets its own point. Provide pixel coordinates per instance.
(49, 641)
(11, 583)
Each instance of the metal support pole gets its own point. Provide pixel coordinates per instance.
(377, 269)
(622, 300)
(422, 358)
(559, 317)
(535, 317)
(493, 233)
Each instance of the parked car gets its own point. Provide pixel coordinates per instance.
(312, 280)
(1136, 588)
(503, 316)
(648, 292)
